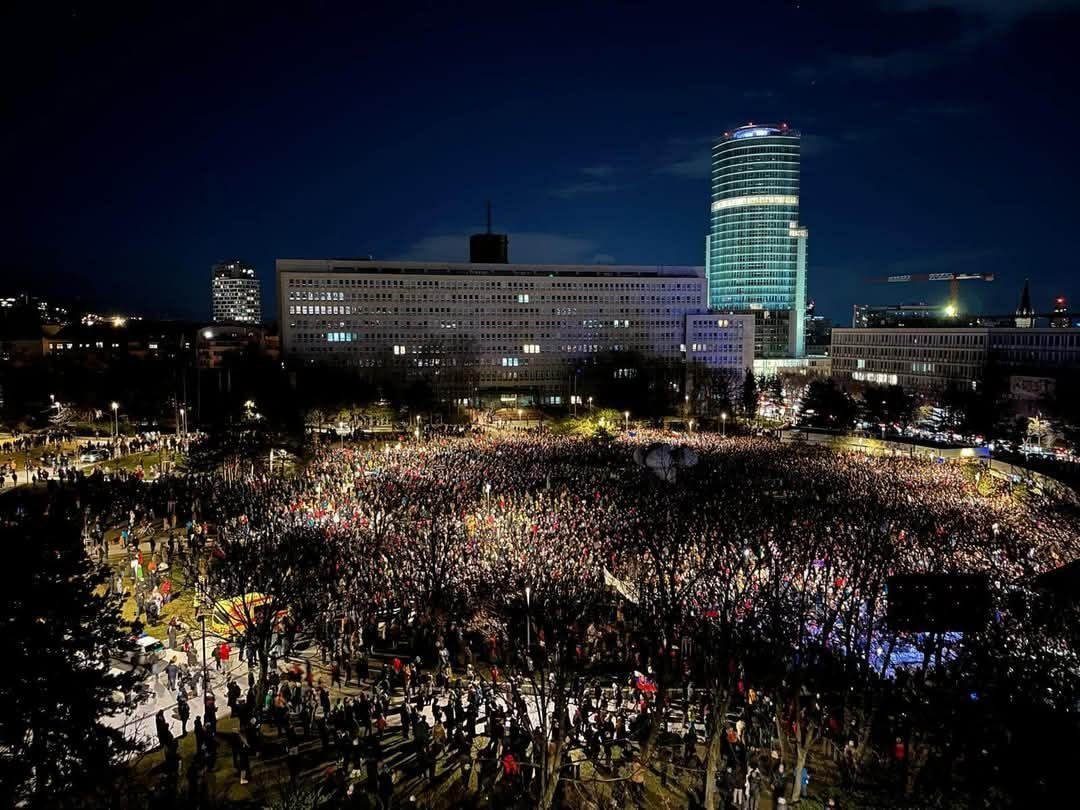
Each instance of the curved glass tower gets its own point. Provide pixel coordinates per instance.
(756, 248)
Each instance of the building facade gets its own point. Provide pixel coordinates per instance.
(931, 360)
(1060, 318)
(219, 345)
(472, 327)
(234, 293)
(756, 248)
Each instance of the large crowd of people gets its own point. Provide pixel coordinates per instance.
(467, 570)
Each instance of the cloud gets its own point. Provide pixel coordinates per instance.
(526, 247)
(1000, 11)
(440, 248)
(594, 180)
(584, 188)
(687, 157)
(813, 145)
(904, 63)
(691, 168)
(982, 21)
(950, 261)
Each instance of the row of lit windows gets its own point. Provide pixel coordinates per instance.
(662, 284)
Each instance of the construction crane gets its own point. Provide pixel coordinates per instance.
(954, 280)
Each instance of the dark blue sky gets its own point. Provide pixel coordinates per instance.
(142, 145)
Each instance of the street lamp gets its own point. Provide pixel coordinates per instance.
(205, 674)
(723, 424)
(691, 425)
(626, 416)
(528, 620)
(116, 419)
(686, 399)
(590, 404)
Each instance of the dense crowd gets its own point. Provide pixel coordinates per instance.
(447, 549)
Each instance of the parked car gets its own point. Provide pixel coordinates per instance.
(147, 656)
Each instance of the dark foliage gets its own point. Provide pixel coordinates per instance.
(58, 630)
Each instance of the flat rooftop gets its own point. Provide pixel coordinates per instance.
(406, 268)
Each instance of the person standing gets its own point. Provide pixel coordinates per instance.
(183, 712)
(223, 655)
(171, 671)
(209, 714)
(242, 759)
(200, 736)
(752, 786)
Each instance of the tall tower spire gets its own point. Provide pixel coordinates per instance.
(1025, 314)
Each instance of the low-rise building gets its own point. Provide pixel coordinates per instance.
(930, 360)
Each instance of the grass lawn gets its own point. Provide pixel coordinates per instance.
(181, 605)
(146, 460)
(19, 458)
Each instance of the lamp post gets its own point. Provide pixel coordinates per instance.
(528, 620)
(686, 399)
(691, 425)
(116, 419)
(205, 676)
(723, 424)
(590, 404)
(626, 417)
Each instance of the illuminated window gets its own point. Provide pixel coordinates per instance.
(756, 199)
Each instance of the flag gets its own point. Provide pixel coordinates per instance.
(644, 684)
(625, 589)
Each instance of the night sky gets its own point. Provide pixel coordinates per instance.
(141, 145)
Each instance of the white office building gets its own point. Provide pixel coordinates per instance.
(234, 293)
(509, 327)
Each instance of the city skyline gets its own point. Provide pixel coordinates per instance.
(130, 182)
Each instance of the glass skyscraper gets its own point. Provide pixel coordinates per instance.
(756, 247)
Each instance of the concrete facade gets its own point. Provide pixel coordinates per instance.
(500, 326)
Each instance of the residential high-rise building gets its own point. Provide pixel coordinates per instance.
(234, 293)
(756, 248)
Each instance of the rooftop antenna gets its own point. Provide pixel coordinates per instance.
(489, 248)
